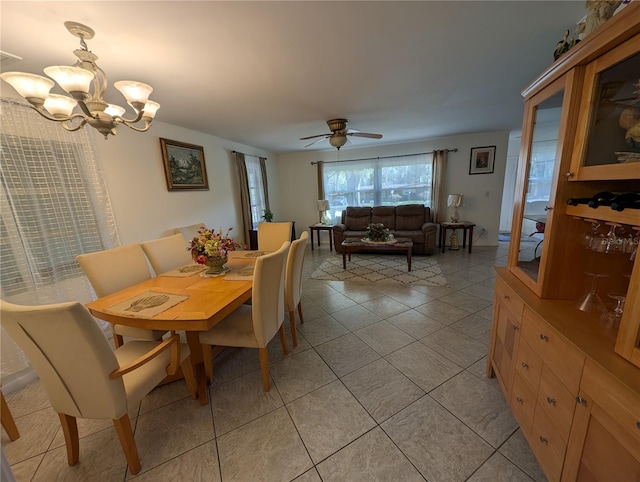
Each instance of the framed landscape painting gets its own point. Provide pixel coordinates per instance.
(184, 166)
(482, 159)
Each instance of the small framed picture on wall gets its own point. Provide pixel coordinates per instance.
(482, 159)
(184, 166)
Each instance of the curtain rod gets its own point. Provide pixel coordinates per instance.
(383, 157)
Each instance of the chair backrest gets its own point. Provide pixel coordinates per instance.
(267, 305)
(189, 232)
(71, 355)
(272, 235)
(167, 253)
(293, 276)
(114, 269)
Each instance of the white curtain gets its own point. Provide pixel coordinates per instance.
(54, 205)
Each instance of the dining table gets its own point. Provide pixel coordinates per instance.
(184, 299)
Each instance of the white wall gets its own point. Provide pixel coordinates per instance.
(482, 192)
(143, 207)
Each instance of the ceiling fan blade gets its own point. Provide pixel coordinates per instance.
(317, 140)
(313, 137)
(365, 134)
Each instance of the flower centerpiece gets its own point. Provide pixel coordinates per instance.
(377, 232)
(210, 248)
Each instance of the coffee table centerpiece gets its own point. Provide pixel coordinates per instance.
(377, 233)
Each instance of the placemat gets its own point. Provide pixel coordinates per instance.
(246, 254)
(240, 274)
(147, 304)
(184, 271)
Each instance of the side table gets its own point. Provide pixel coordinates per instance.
(464, 225)
(321, 227)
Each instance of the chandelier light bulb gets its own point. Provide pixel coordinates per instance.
(34, 88)
(114, 110)
(59, 106)
(136, 93)
(73, 80)
(150, 109)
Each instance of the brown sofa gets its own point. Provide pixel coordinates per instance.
(407, 221)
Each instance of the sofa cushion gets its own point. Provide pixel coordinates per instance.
(410, 217)
(357, 218)
(385, 215)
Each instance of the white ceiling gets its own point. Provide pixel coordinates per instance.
(267, 73)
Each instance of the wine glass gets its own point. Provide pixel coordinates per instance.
(636, 241)
(612, 318)
(590, 237)
(607, 244)
(591, 300)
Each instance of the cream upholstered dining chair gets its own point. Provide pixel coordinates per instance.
(167, 253)
(272, 235)
(112, 270)
(189, 232)
(253, 326)
(293, 283)
(83, 376)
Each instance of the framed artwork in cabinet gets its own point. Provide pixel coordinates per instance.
(482, 160)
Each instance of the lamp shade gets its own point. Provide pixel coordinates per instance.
(323, 205)
(455, 200)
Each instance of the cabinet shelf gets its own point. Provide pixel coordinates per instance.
(604, 213)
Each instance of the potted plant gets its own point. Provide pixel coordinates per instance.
(268, 215)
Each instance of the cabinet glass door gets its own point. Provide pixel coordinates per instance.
(539, 185)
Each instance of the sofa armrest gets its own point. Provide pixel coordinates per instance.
(340, 227)
(429, 227)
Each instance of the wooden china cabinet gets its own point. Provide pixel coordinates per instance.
(572, 380)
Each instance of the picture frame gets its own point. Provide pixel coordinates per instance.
(482, 160)
(184, 166)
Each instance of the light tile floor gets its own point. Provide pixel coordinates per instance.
(387, 383)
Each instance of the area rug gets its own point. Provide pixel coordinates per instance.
(382, 269)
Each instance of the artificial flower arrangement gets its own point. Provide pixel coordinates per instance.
(210, 244)
(377, 232)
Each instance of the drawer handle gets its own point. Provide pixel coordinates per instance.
(506, 297)
(544, 337)
(515, 327)
(520, 400)
(569, 175)
(638, 425)
(551, 401)
(544, 440)
(583, 401)
(525, 365)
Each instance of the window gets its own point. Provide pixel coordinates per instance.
(388, 181)
(256, 189)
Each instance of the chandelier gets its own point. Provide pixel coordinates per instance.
(86, 84)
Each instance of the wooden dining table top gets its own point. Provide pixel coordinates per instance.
(210, 299)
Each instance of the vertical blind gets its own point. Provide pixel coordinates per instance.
(54, 205)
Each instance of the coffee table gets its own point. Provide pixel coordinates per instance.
(351, 245)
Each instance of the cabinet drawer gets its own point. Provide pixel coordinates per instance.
(529, 366)
(508, 298)
(557, 402)
(564, 359)
(548, 445)
(523, 403)
(621, 404)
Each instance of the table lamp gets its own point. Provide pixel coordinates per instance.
(455, 200)
(323, 206)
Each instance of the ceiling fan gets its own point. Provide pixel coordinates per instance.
(339, 132)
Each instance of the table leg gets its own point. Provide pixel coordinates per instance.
(344, 257)
(464, 237)
(443, 236)
(330, 240)
(318, 234)
(193, 340)
(470, 238)
(409, 252)
(311, 232)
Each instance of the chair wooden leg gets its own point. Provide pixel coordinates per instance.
(190, 377)
(264, 367)
(207, 354)
(283, 341)
(70, 431)
(294, 335)
(125, 434)
(300, 312)
(7, 420)
(118, 341)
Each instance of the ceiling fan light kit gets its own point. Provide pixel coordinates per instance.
(339, 132)
(77, 81)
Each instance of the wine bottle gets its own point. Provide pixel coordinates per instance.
(598, 200)
(629, 200)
